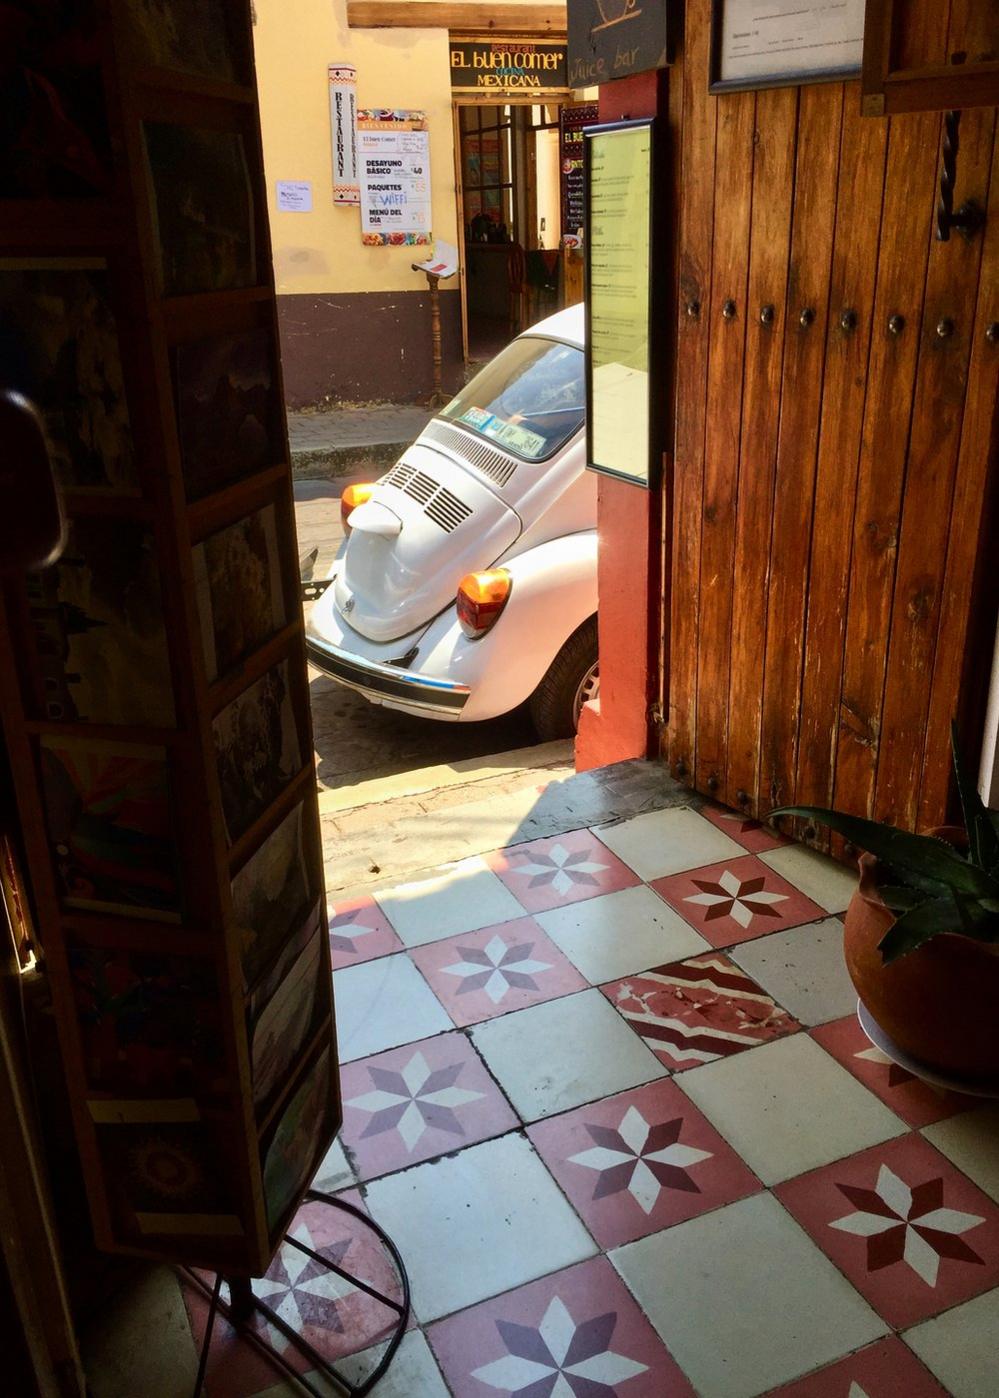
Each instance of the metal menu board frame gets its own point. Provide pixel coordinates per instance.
(780, 32)
(623, 414)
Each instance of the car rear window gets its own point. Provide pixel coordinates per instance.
(529, 399)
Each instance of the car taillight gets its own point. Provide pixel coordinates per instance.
(353, 496)
(481, 598)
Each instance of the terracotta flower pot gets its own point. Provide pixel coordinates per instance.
(939, 1003)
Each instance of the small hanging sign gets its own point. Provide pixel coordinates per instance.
(508, 65)
(343, 120)
(614, 38)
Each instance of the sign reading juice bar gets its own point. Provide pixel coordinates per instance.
(508, 66)
(611, 39)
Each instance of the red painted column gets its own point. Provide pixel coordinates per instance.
(616, 725)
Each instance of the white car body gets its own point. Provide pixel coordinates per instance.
(457, 502)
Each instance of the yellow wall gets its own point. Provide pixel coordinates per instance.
(295, 40)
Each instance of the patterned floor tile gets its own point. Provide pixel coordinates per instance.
(971, 1141)
(329, 1312)
(413, 1372)
(911, 1232)
(381, 1004)
(640, 1161)
(744, 1299)
(822, 879)
(477, 1223)
(618, 934)
(736, 900)
(751, 834)
(788, 1107)
(577, 1334)
(414, 1103)
(481, 974)
(915, 1101)
(960, 1346)
(665, 842)
(335, 1173)
(695, 1011)
(556, 1056)
(884, 1370)
(562, 869)
(359, 931)
(804, 969)
(462, 898)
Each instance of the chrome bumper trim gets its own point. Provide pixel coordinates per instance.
(370, 676)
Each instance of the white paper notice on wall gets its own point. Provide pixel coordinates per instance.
(294, 196)
(343, 118)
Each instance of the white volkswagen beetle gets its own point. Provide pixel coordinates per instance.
(468, 579)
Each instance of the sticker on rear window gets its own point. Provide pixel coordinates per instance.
(522, 439)
(477, 417)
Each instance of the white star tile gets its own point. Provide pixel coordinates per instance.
(462, 898)
(827, 883)
(382, 1004)
(620, 934)
(959, 1347)
(803, 969)
(668, 842)
(478, 1223)
(971, 1141)
(562, 1053)
(744, 1299)
(788, 1107)
(335, 1172)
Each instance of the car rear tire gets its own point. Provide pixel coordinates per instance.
(571, 679)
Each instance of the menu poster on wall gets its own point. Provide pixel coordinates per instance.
(619, 244)
(757, 43)
(572, 119)
(393, 155)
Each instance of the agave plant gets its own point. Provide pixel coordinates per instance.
(931, 885)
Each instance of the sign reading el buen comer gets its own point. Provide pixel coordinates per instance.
(508, 65)
(611, 39)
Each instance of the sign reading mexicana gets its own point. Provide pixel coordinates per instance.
(613, 38)
(507, 65)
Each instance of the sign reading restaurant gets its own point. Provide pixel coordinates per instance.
(506, 65)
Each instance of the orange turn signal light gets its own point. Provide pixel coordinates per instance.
(481, 598)
(353, 496)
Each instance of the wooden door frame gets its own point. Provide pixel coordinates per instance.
(546, 97)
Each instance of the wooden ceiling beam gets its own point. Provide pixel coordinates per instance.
(526, 17)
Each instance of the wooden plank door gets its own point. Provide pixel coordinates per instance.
(835, 450)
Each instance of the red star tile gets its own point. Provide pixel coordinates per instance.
(912, 1233)
(581, 1325)
(736, 900)
(888, 1369)
(752, 834)
(560, 869)
(640, 1161)
(915, 1101)
(359, 931)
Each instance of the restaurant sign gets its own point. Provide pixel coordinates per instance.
(614, 38)
(506, 65)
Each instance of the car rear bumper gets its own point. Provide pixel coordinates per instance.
(388, 684)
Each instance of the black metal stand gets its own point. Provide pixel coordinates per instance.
(242, 1304)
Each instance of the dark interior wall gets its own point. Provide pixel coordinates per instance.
(368, 346)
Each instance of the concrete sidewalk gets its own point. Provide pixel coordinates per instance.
(346, 441)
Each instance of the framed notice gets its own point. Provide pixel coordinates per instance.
(778, 43)
(393, 166)
(621, 196)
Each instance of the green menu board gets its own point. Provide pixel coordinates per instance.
(619, 244)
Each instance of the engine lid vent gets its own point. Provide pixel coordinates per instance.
(482, 458)
(439, 504)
